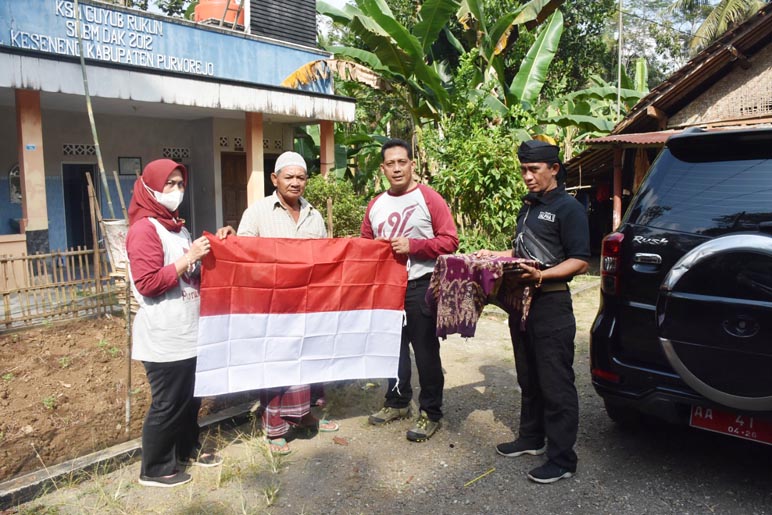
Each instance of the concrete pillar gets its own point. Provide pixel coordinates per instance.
(255, 166)
(617, 204)
(29, 129)
(327, 146)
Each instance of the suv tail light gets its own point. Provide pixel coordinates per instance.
(611, 263)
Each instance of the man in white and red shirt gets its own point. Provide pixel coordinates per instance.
(417, 222)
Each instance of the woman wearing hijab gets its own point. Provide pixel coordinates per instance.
(165, 276)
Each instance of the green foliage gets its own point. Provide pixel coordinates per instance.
(136, 4)
(348, 209)
(477, 172)
(719, 17)
(8, 376)
(480, 178)
(64, 361)
(583, 48)
(587, 113)
(49, 402)
(398, 55)
(112, 350)
(492, 37)
(533, 70)
(179, 8)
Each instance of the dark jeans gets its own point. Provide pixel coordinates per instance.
(544, 358)
(170, 431)
(421, 332)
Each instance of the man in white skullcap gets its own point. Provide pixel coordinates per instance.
(285, 214)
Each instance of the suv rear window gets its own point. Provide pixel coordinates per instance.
(708, 198)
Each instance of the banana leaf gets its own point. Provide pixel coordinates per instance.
(533, 71)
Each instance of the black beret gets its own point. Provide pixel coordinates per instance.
(535, 151)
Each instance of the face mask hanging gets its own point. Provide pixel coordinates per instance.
(170, 201)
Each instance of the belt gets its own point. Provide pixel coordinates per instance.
(414, 283)
(551, 287)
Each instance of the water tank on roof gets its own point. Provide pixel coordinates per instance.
(212, 11)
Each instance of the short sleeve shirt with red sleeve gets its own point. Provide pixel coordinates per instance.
(422, 216)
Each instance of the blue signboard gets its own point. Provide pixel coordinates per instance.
(133, 38)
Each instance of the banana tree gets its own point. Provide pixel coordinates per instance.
(591, 112)
(403, 57)
(495, 39)
(398, 55)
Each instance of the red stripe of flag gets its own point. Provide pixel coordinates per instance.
(284, 275)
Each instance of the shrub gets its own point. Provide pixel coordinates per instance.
(348, 209)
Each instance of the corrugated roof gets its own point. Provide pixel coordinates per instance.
(594, 163)
(638, 139)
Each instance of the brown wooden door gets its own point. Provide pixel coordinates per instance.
(234, 187)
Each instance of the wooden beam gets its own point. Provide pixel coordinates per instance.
(745, 64)
(659, 115)
(326, 146)
(29, 131)
(255, 166)
(617, 202)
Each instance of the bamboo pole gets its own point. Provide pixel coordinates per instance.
(98, 150)
(18, 284)
(85, 275)
(95, 235)
(49, 294)
(24, 299)
(127, 311)
(329, 217)
(56, 275)
(39, 299)
(120, 194)
(6, 295)
(71, 276)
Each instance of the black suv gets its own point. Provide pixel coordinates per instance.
(684, 330)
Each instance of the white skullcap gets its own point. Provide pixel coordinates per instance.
(289, 159)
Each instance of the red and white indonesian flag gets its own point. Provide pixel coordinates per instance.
(283, 312)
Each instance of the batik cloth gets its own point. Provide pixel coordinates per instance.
(291, 402)
(462, 284)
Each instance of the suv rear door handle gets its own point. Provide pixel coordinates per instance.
(646, 263)
(647, 259)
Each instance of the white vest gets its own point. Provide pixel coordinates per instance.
(166, 326)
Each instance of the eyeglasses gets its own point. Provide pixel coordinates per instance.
(393, 164)
(176, 184)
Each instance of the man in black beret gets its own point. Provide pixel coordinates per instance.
(552, 229)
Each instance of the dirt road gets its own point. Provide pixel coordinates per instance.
(363, 469)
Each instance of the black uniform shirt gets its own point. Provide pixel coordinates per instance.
(558, 221)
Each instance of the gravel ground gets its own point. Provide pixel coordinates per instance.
(362, 469)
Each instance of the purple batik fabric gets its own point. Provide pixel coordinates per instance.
(462, 284)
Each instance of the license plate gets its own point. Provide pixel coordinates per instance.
(741, 426)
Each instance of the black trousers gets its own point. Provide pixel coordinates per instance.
(421, 332)
(544, 358)
(170, 431)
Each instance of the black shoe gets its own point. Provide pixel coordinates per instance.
(176, 479)
(206, 459)
(519, 447)
(549, 473)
